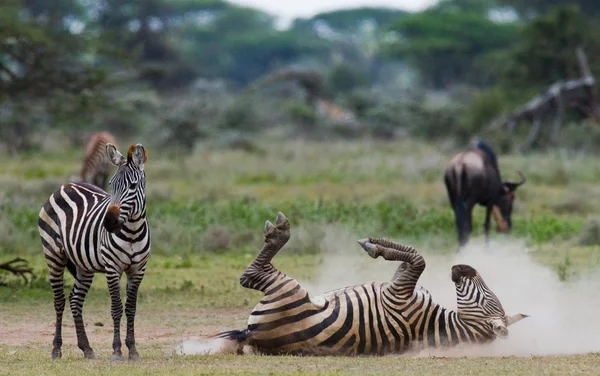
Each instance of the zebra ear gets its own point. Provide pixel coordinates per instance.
(514, 318)
(114, 155)
(138, 155)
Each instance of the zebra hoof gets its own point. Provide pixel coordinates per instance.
(268, 226)
(369, 247)
(278, 232)
(280, 218)
(117, 357)
(56, 354)
(89, 355)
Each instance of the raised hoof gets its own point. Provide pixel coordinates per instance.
(280, 218)
(268, 226)
(280, 231)
(134, 357)
(89, 355)
(369, 247)
(117, 357)
(56, 354)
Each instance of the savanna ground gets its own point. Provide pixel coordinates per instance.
(207, 212)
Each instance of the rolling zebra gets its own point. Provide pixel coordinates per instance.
(96, 166)
(88, 231)
(374, 318)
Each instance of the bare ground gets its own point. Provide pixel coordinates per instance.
(159, 328)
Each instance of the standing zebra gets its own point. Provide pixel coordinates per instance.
(89, 231)
(374, 318)
(96, 166)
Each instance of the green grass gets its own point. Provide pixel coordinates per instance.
(207, 211)
(158, 363)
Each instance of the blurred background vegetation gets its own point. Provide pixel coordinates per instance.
(342, 119)
(177, 72)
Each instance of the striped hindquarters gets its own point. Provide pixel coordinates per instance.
(347, 321)
(70, 226)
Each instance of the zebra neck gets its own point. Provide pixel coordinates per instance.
(133, 224)
(476, 329)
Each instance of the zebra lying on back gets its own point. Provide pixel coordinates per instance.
(96, 166)
(374, 318)
(87, 231)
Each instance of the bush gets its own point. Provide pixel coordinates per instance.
(240, 115)
(216, 238)
(590, 236)
(301, 113)
(345, 77)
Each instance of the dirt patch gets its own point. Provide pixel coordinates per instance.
(34, 329)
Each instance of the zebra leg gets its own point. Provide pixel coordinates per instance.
(133, 283)
(58, 287)
(83, 281)
(113, 278)
(57, 271)
(408, 273)
(261, 272)
(486, 224)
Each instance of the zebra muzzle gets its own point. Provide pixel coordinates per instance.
(112, 222)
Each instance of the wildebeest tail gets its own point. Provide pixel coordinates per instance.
(461, 183)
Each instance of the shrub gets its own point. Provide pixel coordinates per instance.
(216, 238)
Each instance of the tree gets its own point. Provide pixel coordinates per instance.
(445, 45)
(349, 20)
(39, 51)
(148, 29)
(545, 51)
(481, 7)
(242, 44)
(46, 66)
(528, 9)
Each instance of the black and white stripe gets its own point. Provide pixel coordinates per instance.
(87, 231)
(374, 318)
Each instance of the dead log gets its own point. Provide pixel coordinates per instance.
(17, 266)
(551, 103)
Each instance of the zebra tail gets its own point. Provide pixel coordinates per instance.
(229, 342)
(233, 335)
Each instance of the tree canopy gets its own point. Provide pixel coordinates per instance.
(71, 57)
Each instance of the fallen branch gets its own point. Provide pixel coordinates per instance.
(551, 103)
(17, 266)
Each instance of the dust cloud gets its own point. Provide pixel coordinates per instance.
(563, 315)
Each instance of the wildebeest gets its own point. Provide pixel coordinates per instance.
(473, 177)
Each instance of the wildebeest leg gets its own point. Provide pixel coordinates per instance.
(260, 274)
(463, 221)
(487, 223)
(452, 197)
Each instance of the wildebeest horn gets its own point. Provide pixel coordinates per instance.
(514, 185)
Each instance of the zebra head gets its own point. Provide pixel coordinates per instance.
(476, 302)
(128, 197)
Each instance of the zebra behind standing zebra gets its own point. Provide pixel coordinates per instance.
(374, 318)
(87, 231)
(96, 166)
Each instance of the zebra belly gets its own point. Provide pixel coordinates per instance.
(348, 321)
